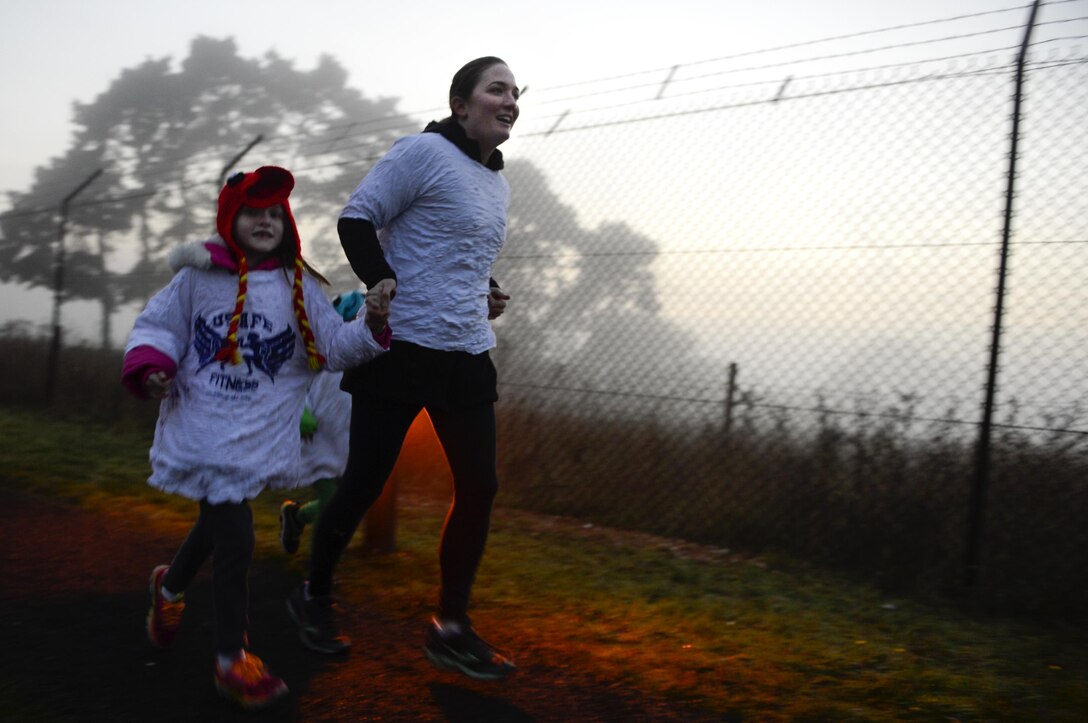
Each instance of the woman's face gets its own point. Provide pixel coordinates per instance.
(489, 114)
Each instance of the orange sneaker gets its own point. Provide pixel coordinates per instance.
(164, 617)
(249, 683)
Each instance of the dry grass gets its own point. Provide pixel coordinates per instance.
(883, 498)
(876, 501)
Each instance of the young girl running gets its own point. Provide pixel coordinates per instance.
(230, 346)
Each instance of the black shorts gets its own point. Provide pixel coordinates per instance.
(414, 374)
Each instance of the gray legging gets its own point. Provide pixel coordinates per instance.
(224, 531)
(378, 428)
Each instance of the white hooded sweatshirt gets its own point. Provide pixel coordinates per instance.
(226, 431)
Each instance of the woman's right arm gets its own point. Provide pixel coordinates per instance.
(360, 241)
(391, 187)
(363, 250)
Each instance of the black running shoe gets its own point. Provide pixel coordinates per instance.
(316, 619)
(466, 652)
(290, 527)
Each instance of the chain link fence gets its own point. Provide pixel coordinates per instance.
(769, 327)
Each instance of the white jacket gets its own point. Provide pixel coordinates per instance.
(226, 432)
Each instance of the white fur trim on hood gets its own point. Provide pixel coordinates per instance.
(193, 254)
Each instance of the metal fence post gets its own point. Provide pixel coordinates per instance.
(58, 290)
(730, 398)
(982, 461)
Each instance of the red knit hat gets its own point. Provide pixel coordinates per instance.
(267, 186)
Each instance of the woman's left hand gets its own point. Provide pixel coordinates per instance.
(377, 304)
(496, 302)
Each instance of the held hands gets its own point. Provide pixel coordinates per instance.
(496, 302)
(157, 385)
(377, 304)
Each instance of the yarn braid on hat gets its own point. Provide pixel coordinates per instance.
(267, 186)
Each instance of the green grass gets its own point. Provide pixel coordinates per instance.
(747, 638)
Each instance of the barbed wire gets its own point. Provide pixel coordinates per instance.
(208, 181)
(776, 83)
(806, 43)
(792, 97)
(404, 122)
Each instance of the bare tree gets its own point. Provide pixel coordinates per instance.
(162, 136)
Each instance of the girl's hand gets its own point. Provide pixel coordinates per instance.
(496, 302)
(157, 385)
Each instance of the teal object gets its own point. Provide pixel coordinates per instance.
(348, 305)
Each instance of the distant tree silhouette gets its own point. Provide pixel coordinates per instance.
(162, 134)
(585, 306)
(161, 137)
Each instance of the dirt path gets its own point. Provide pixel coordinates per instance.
(72, 604)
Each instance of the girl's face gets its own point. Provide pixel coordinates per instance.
(259, 231)
(489, 114)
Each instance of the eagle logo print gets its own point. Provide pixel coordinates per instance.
(267, 355)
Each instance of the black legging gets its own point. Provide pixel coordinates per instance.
(224, 531)
(378, 428)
